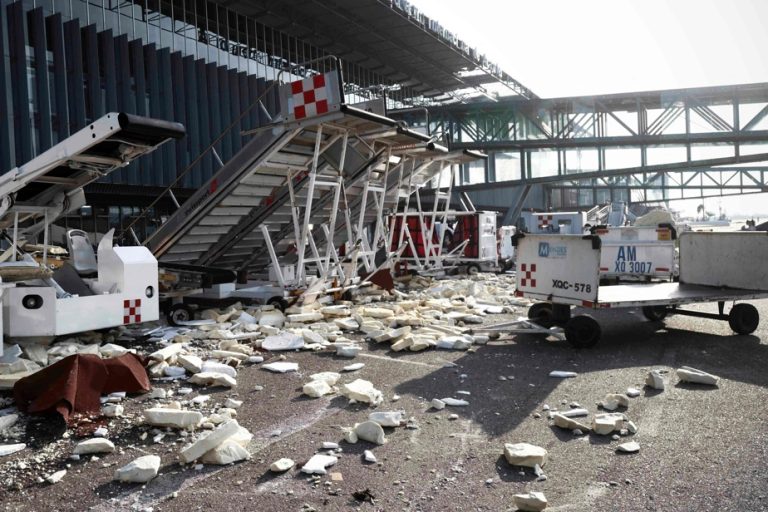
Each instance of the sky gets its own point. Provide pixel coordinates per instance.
(582, 47)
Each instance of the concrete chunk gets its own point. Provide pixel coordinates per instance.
(330, 377)
(164, 354)
(316, 388)
(281, 367)
(654, 380)
(217, 367)
(141, 470)
(281, 465)
(438, 404)
(192, 364)
(56, 477)
(227, 452)
(524, 454)
(567, 423)
(606, 424)
(209, 442)
(96, 445)
(631, 447)
(530, 502)
(454, 402)
(688, 374)
(8, 421)
(318, 463)
(388, 418)
(353, 367)
(613, 401)
(163, 417)
(362, 391)
(213, 379)
(370, 431)
(7, 449)
(347, 349)
(283, 341)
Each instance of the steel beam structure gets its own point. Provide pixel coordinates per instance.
(634, 146)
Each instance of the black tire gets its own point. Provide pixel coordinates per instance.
(473, 269)
(583, 331)
(179, 313)
(655, 313)
(744, 318)
(278, 303)
(542, 313)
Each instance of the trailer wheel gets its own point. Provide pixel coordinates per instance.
(583, 331)
(278, 303)
(655, 313)
(473, 269)
(743, 318)
(542, 313)
(179, 313)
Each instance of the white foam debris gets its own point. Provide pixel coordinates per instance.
(562, 375)
(630, 447)
(654, 380)
(217, 367)
(213, 379)
(530, 502)
(281, 367)
(8, 449)
(329, 377)
(524, 454)
(369, 456)
(353, 367)
(140, 470)
(688, 374)
(388, 418)
(613, 401)
(56, 477)
(454, 402)
(318, 463)
(362, 391)
(316, 388)
(95, 445)
(370, 431)
(209, 442)
(281, 465)
(165, 417)
(438, 404)
(283, 341)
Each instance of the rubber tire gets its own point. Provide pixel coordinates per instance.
(583, 331)
(473, 269)
(542, 313)
(179, 313)
(278, 303)
(744, 318)
(655, 313)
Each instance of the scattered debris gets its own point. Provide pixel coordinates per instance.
(353, 367)
(141, 470)
(606, 424)
(316, 388)
(56, 477)
(8, 449)
(283, 341)
(654, 380)
(688, 374)
(530, 502)
(524, 454)
(369, 456)
(370, 431)
(362, 391)
(562, 375)
(166, 417)
(613, 401)
(281, 465)
(318, 463)
(632, 392)
(438, 404)
(388, 419)
(454, 402)
(96, 445)
(281, 367)
(630, 447)
(568, 423)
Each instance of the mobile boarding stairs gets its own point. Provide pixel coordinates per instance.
(304, 201)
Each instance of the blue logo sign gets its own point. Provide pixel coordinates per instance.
(552, 251)
(543, 249)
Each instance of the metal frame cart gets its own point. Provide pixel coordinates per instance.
(564, 270)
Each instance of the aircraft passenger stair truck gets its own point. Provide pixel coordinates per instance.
(119, 286)
(318, 176)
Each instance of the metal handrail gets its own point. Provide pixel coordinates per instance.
(211, 146)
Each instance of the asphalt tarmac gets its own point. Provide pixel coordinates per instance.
(703, 448)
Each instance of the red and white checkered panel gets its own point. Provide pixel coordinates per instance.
(526, 275)
(545, 220)
(132, 311)
(310, 97)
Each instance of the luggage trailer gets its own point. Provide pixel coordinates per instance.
(637, 253)
(564, 271)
